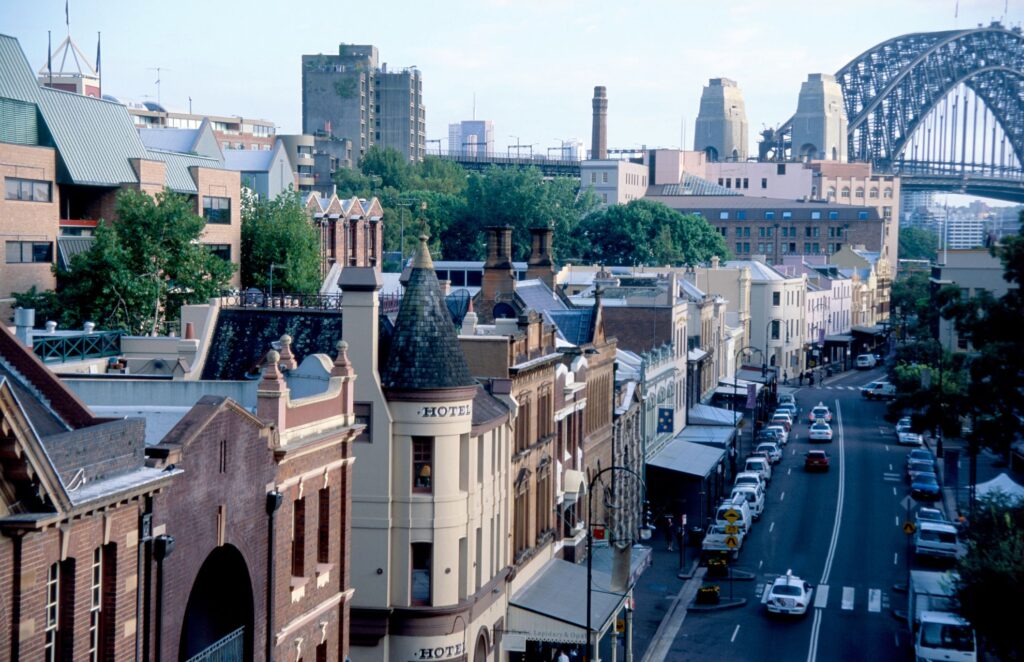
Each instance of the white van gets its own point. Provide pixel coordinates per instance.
(866, 361)
(936, 539)
(761, 465)
(754, 494)
(751, 478)
(739, 504)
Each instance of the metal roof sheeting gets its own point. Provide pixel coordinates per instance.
(16, 78)
(178, 177)
(689, 458)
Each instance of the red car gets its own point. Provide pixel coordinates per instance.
(816, 461)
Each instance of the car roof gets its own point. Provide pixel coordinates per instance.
(816, 451)
(944, 617)
(819, 423)
(937, 526)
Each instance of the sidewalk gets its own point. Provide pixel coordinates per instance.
(656, 593)
(955, 497)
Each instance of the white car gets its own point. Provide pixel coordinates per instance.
(787, 398)
(820, 412)
(866, 361)
(759, 464)
(909, 438)
(820, 431)
(718, 541)
(754, 494)
(788, 594)
(783, 433)
(770, 450)
(903, 425)
(749, 478)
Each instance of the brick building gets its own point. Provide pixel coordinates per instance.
(65, 158)
(351, 232)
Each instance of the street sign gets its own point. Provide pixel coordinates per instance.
(907, 503)
(909, 528)
(732, 529)
(731, 542)
(731, 515)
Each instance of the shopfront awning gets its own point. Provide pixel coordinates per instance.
(719, 436)
(696, 354)
(875, 330)
(687, 457)
(541, 610)
(841, 339)
(708, 415)
(751, 375)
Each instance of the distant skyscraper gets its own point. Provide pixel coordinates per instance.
(819, 126)
(349, 96)
(471, 137)
(721, 129)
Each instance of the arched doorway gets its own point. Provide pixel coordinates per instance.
(711, 153)
(808, 151)
(219, 614)
(480, 651)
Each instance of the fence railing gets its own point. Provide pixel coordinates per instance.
(58, 349)
(389, 303)
(229, 649)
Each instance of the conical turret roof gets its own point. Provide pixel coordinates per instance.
(425, 353)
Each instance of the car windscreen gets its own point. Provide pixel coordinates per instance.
(786, 589)
(948, 636)
(944, 537)
(747, 494)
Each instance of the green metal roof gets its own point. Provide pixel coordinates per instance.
(16, 78)
(178, 177)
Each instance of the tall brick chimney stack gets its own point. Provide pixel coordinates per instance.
(540, 265)
(499, 274)
(599, 137)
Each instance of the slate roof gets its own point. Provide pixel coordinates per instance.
(759, 271)
(242, 338)
(693, 185)
(576, 326)
(536, 295)
(425, 352)
(487, 409)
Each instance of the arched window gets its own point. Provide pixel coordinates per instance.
(888, 193)
(831, 193)
(874, 192)
(860, 191)
(846, 192)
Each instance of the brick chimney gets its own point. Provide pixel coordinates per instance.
(499, 274)
(540, 264)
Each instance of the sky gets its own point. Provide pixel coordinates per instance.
(530, 64)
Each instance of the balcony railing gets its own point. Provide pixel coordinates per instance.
(389, 303)
(58, 349)
(229, 649)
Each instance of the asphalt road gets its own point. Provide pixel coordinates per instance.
(840, 531)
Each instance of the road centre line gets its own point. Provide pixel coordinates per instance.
(760, 563)
(734, 633)
(890, 466)
(789, 471)
(897, 520)
(895, 558)
(894, 492)
(771, 527)
(887, 447)
(782, 497)
(812, 650)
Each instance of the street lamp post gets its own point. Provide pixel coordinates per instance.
(644, 532)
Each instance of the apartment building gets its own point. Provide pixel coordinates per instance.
(777, 321)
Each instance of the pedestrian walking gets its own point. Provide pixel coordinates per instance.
(670, 532)
(785, 376)
(800, 379)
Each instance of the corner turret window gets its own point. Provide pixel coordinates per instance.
(422, 464)
(419, 591)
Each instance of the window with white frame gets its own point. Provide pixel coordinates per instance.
(52, 612)
(95, 604)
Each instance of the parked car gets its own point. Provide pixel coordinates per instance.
(751, 478)
(787, 398)
(936, 539)
(816, 460)
(925, 487)
(761, 465)
(754, 494)
(716, 540)
(771, 434)
(789, 594)
(866, 362)
(787, 409)
(820, 431)
(909, 438)
(878, 390)
(930, 515)
(738, 504)
(782, 419)
(819, 412)
(922, 454)
(914, 469)
(781, 430)
(770, 450)
(903, 425)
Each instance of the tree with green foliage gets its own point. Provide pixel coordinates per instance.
(991, 574)
(46, 303)
(912, 297)
(643, 232)
(279, 232)
(394, 170)
(991, 326)
(142, 267)
(918, 244)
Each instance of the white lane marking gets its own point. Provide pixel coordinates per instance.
(821, 599)
(848, 593)
(812, 651)
(782, 497)
(894, 491)
(764, 593)
(887, 447)
(874, 600)
(760, 563)
(890, 466)
(789, 471)
(895, 558)
(897, 638)
(897, 520)
(734, 633)
(771, 527)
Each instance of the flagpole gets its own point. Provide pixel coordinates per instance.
(99, 75)
(49, 58)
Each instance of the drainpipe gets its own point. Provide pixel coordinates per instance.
(162, 548)
(142, 591)
(274, 500)
(16, 595)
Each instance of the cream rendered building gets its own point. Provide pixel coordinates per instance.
(430, 498)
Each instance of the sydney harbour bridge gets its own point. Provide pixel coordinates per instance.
(944, 110)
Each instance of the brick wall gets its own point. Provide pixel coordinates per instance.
(27, 220)
(224, 184)
(100, 450)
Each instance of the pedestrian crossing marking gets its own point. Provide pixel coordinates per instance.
(821, 599)
(764, 593)
(847, 602)
(874, 600)
(891, 476)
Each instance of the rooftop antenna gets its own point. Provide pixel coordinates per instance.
(158, 70)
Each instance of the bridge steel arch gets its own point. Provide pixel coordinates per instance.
(890, 88)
